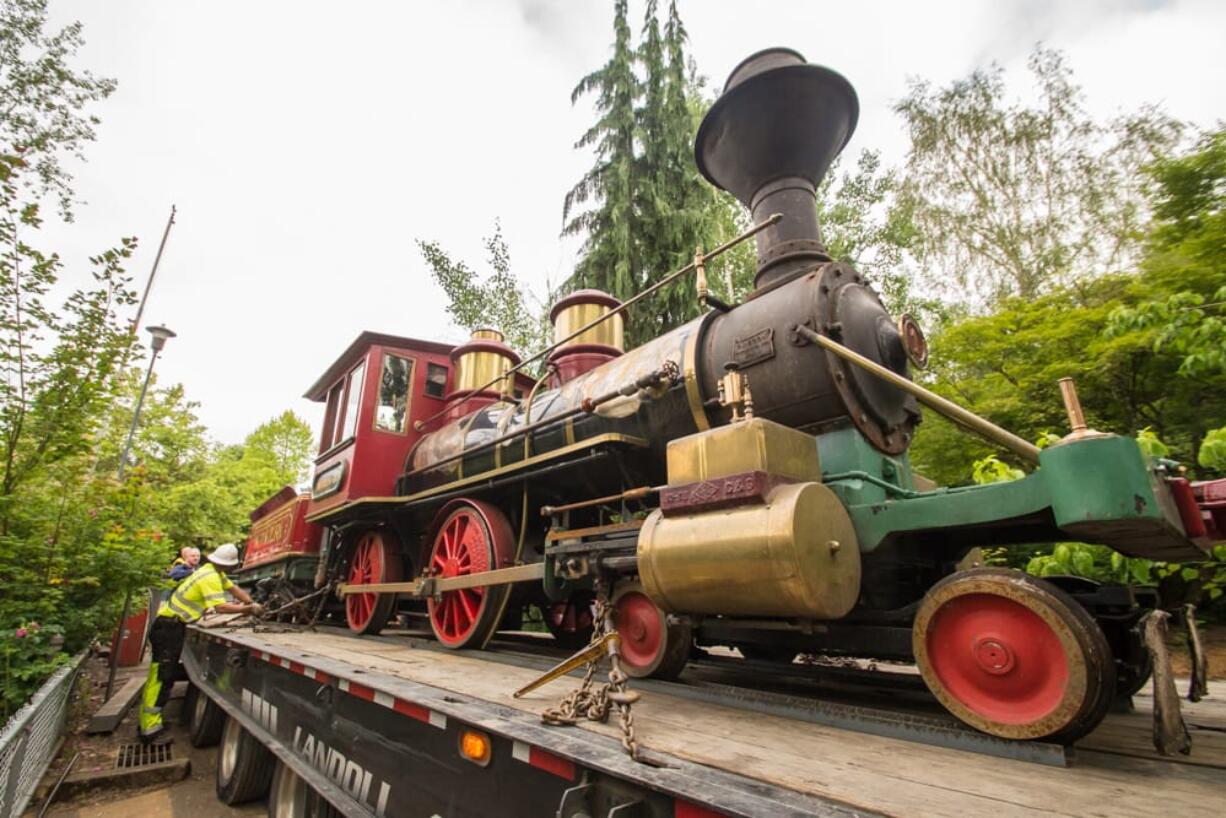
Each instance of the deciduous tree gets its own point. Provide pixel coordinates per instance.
(498, 300)
(44, 97)
(1010, 198)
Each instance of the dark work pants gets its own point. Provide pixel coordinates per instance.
(166, 638)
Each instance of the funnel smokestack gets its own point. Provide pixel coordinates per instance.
(769, 140)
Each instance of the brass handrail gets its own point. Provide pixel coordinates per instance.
(420, 425)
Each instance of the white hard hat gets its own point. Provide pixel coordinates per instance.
(225, 555)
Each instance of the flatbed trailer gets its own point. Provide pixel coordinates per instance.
(380, 727)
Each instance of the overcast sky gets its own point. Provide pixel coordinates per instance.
(307, 145)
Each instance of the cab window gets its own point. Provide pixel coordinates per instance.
(331, 408)
(392, 410)
(436, 380)
(353, 398)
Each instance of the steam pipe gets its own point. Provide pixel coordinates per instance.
(963, 417)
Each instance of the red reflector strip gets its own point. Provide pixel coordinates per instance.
(355, 689)
(543, 760)
(361, 691)
(413, 711)
(684, 809)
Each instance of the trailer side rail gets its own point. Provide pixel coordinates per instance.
(374, 744)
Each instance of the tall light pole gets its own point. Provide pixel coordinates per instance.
(160, 336)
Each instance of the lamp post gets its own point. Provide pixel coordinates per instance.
(160, 336)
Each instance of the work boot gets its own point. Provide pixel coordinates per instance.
(159, 739)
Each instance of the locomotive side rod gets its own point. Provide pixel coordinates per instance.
(963, 417)
(429, 586)
(699, 259)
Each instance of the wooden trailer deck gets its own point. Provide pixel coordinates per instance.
(1115, 771)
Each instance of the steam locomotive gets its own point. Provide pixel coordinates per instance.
(742, 480)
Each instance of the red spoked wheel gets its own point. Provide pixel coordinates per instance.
(376, 558)
(474, 537)
(650, 645)
(1013, 655)
(570, 621)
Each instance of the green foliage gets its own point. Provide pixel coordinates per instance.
(1212, 453)
(214, 506)
(44, 96)
(610, 252)
(29, 653)
(673, 202)
(1008, 198)
(1183, 313)
(1005, 365)
(499, 301)
(992, 469)
(57, 365)
(74, 540)
(1150, 445)
(284, 445)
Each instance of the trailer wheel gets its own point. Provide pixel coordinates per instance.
(1013, 656)
(473, 537)
(650, 645)
(290, 796)
(376, 558)
(205, 718)
(244, 766)
(287, 797)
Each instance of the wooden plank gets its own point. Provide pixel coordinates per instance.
(111, 713)
(887, 775)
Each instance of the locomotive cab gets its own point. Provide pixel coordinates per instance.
(372, 394)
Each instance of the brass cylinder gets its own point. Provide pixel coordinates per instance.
(795, 556)
(581, 308)
(611, 333)
(475, 369)
(487, 335)
(484, 359)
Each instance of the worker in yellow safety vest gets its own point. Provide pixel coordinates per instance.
(202, 591)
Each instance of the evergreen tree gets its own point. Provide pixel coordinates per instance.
(675, 196)
(651, 208)
(610, 261)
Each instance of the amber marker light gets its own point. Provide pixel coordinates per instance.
(475, 747)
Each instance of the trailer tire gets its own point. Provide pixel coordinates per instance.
(205, 719)
(244, 766)
(290, 796)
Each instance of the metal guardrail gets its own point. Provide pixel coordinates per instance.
(28, 742)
